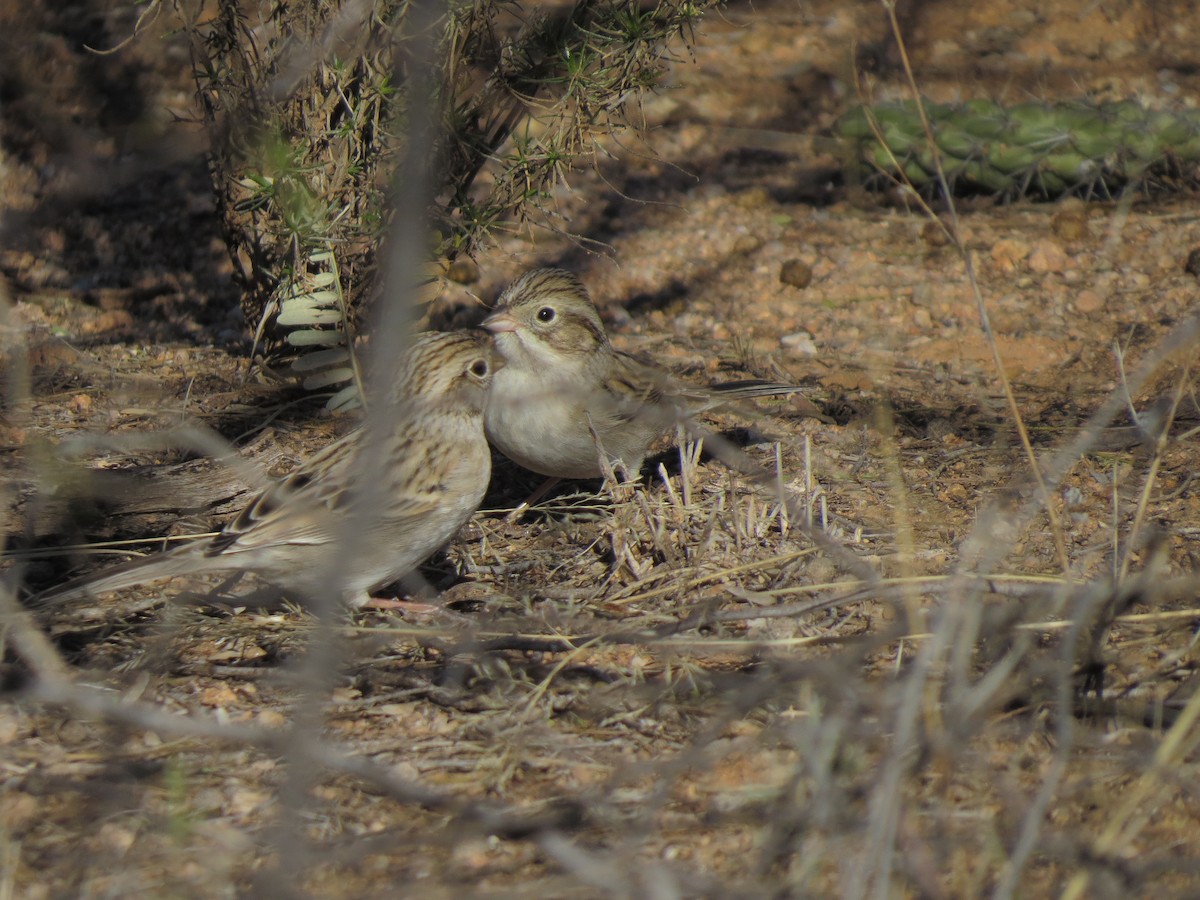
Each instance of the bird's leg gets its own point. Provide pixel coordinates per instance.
(364, 600)
(619, 488)
(546, 486)
(408, 606)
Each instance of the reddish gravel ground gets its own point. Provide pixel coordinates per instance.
(626, 695)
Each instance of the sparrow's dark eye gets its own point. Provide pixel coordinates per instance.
(479, 368)
(546, 314)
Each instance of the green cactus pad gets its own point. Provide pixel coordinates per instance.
(1036, 150)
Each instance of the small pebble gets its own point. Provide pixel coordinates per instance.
(1047, 257)
(463, 271)
(753, 198)
(800, 343)
(747, 244)
(1070, 223)
(1088, 301)
(934, 234)
(270, 718)
(1007, 252)
(797, 273)
(108, 321)
(1192, 266)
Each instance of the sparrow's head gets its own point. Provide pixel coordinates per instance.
(454, 367)
(547, 316)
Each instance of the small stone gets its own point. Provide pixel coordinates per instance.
(463, 271)
(245, 801)
(111, 298)
(936, 233)
(684, 323)
(753, 198)
(1070, 223)
(1073, 497)
(18, 811)
(220, 695)
(113, 320)
(797, 273)
(1007, 252)
(1119, 49)
(11, 727)
(923, 294)
(1047, 257)
(115, 837)
(270, 718)
(801, 343)
(954, 493)
(922, 319)
(1192, 266)
(747, 244)
(1088, 301)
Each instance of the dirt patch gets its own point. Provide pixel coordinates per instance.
(923, 674)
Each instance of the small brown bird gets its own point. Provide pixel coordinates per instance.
(561, 371)
(432, 472)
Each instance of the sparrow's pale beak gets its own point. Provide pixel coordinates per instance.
(500, 322)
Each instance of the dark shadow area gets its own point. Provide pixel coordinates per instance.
(120, 215)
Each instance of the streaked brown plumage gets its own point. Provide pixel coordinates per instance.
(411, 476)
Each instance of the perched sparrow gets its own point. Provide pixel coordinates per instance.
(413, 475)
(561, 372)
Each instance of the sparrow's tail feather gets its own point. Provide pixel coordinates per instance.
(733, 391)
(182, 561)
(746, 389)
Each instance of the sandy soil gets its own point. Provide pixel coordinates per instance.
(629, 695)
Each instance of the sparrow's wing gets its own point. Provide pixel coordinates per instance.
(290, 511)
(310, 504)
(635, 390)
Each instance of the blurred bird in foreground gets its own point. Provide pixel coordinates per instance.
(369, 507)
